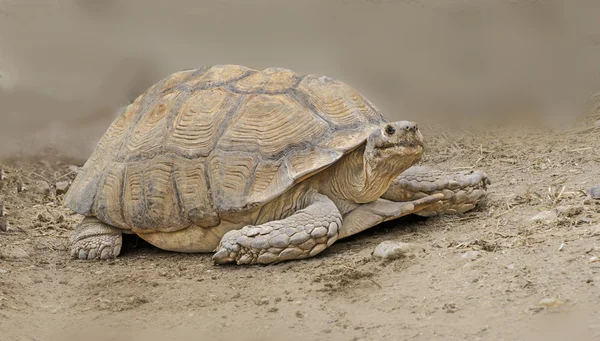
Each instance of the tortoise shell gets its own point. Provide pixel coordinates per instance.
(219, 140)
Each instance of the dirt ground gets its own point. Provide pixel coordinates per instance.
(490, 274)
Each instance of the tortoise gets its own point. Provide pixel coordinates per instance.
(258, 166)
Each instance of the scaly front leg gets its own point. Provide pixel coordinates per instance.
(305, 233)
(462, 190)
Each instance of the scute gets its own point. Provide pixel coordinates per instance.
(148, 134)
(340, 103)
(269, 125)
(195, 129)
(217, 140)
(150, 198)
(268, 81)
(218, 75)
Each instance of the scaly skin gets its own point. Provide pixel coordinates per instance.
(462, 190)
(305, 233)
(95, 240)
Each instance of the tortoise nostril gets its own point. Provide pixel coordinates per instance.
(411, 127)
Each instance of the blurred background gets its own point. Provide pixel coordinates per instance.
(67, 66)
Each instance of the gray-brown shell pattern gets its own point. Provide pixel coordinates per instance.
(217, 140)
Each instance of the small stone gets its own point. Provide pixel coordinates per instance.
(3, 225)
(20, 187)
(262, 301)
(393, 250)
(2, 271)
(41, 187)
(545, 217)
(162, 273)
(299, 315)
(273, 310)
(594, 259)
(569, 210)
(594, 192)
(471, 255)
(550, 302)
(62, 187)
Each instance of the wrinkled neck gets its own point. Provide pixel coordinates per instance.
(353, 179)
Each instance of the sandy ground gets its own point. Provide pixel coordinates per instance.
(488, 275)
(492, 274)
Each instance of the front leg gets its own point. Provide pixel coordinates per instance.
(462, 190)
(305, 233)
(368, 215)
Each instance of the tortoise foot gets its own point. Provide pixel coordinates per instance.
(304, 234)
(95, 240)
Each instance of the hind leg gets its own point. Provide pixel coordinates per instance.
(94, 239)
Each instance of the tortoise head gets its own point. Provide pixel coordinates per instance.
(393, 147)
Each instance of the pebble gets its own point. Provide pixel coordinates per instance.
(2, 271)
(569, 210)
(62, 187)
(41, 187)
(594, 259)
(550, 302)
(594, 192)
(545, 216)
(3, 225)
(471, 255)
(262, 301)
(393, 250)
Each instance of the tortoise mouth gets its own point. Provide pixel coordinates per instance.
(399, 144)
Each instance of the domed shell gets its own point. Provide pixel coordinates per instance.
(211, 141)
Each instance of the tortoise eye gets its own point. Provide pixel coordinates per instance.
(390, 130)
